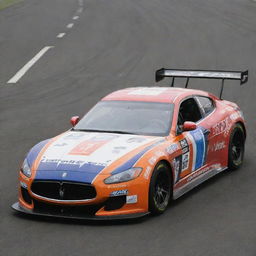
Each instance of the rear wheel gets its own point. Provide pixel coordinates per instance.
(160, 189)
(236, 147)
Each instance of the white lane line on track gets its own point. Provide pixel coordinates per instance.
(23, 70)
(70, 25)
(60, 35)
(75, 17)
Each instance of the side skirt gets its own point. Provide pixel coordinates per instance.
(197, 181)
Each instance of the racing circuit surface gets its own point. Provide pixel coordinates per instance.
(111, 45)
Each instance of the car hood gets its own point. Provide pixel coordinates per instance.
(81, 156)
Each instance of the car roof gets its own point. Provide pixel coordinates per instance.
(154, 94)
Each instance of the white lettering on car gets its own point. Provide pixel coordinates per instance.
(222, 127)
(219, 146)
(147, 172)
(172, 148)
(119, 193)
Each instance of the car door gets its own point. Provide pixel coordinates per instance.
(193, 144)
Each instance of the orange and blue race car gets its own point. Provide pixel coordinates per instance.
(134, 151)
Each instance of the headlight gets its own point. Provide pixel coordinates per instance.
(124, 176)
(25, 169)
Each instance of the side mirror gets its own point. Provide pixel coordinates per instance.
(74, 120)
(189, 126)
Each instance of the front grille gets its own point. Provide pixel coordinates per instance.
(63, 190)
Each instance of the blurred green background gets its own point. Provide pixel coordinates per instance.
(7, 3)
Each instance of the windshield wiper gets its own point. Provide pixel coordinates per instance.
(104, 131)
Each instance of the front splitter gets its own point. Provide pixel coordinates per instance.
(16, 206)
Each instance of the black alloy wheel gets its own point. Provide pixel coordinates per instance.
(160, 190)
(236, 147)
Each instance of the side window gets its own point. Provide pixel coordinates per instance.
(206, 104)
(189, 111)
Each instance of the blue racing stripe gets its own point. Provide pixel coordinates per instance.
(73, 176)
(74, 172)
(199, 139)
(33, 153)
(130, 163)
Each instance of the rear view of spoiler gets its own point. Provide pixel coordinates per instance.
(209, 74)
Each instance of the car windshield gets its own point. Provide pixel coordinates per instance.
(131, 117)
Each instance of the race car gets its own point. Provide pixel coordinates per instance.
(135, 151)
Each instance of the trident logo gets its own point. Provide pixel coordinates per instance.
(61, 191)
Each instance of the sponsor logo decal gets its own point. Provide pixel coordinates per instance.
(70, 162)
(222, 127)
(185, 161)
(87, 147)
(147, 172)
(219, 146)
(185, 154)
(203, 170)
(74, 136)
(159, 153)
(117, 150)
(185, 150)
(119, 193)
(176, 167)
(183, 143)
(104, 137)
(132, 199)
(136, 140)
(152, 160)
(172, 148)
(60, 144)
(117, 186)
(61, 161)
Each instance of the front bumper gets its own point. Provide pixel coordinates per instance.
(76, 215)
(114, 201)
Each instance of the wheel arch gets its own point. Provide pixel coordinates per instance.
(243, 126)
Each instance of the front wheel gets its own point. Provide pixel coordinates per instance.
(160, 189)
(236, 147)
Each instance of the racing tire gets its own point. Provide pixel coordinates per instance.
(236, 147)
(160, 189)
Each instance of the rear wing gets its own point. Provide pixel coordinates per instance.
(209, 74)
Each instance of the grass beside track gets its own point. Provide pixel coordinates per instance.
(7, 3)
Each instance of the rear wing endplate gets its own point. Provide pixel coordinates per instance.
(208, 74)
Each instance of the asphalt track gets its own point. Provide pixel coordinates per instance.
(115, 44)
